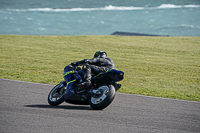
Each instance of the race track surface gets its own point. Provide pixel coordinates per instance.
(24, 109)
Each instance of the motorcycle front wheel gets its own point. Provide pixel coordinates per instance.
(56, 95)
(102, 100)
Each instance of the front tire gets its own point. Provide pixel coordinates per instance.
(56, 95)
(102, 101)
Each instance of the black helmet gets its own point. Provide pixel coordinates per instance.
(100, 54)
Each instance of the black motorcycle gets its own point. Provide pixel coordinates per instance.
(99, 95)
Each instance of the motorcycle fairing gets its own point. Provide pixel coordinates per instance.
(71, 76)
(69, 91)
(70, 79)
(110, 76)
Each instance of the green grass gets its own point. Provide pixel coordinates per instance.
(154, 66)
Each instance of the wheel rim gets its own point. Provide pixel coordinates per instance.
(54, 95)
(104, 92)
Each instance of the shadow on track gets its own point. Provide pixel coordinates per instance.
(60, 107)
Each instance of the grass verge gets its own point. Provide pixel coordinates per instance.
(154, 66)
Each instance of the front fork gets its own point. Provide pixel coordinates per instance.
(63, 84)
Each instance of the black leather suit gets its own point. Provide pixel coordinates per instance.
(95, 66)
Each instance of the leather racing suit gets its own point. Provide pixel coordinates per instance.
(95, 66)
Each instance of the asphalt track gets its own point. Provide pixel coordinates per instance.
(24, 109)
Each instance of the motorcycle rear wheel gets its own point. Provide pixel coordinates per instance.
(56, 95)
(104, 99)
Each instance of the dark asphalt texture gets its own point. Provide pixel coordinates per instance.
(24, 109)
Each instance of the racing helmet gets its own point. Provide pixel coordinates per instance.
(100, 54)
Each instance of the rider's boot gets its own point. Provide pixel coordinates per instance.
(87, 79)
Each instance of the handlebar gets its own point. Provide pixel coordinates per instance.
(76, 68)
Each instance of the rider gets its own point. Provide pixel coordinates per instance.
(99, 63)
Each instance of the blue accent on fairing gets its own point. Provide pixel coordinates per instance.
(77, 76)
(68, 76)
(69, 91)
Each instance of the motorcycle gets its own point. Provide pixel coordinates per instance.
(99, 95)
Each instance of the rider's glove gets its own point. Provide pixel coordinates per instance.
(74, 63)
(86, 60)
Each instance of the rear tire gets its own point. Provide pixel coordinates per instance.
(105, 99)
(56, 95)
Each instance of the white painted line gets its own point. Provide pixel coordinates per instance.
(159, 98)
(26, 82)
